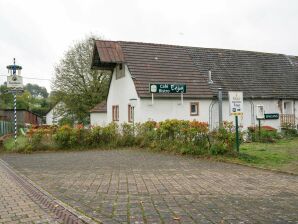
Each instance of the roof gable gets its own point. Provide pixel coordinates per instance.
(100, 108)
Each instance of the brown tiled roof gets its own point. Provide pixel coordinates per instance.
(257, 74)
(109, 52)
(100, 108)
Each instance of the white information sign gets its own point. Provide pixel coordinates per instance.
(260, 112)
(15, 82)
(236, 102)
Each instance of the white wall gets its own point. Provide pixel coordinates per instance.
(249, 116)
(98, 119)
(163, 109)
(121, 90)
(49, 117)
(53, 116)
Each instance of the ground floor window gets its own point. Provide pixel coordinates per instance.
(288, 107)
(130, 113)
(115, 112)
(194, 108)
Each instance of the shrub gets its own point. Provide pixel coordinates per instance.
(179, 136)
(198, 133)
(224, 139)
(36, 139)
(218, 148)
(169, 129)
(95, 136)
(267, 134)
(21, 146)
(289, 130)
(127, 135)
(110, 134)
(65, 136)
(146, 134)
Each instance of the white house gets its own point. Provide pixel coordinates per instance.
(54, 115)
(266, 79)
(98, 115)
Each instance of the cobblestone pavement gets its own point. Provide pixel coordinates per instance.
(131, 186)
(16, 206)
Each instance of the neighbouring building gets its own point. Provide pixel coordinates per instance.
(266, 79)
(55, 114)
(98, 115)
(23, 116)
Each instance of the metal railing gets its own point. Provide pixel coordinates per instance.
(287, 119)
(6, 127)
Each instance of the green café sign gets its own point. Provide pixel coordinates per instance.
(167, 88)
(272, 116)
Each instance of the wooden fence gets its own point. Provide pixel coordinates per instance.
(287, 119)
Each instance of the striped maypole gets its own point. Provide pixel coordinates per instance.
(15, 117)
(15, 84)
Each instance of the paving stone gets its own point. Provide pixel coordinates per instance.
(134, 186)
(19, 207)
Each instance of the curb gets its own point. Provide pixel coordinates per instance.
(260, 168)
(64, 212)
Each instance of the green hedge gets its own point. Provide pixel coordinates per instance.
(179, 136)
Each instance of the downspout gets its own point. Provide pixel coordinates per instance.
(252, 106)
(210, 113)
(220, 107)
(294, 109)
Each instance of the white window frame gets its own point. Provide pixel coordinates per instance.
(197, 105)
(115, 112)
(130, 113)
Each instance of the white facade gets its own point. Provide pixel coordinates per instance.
(123, 89)
(249, 116)
(53, 116)
(98, 119)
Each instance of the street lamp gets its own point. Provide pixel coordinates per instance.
(133, 103)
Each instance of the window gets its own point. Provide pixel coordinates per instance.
(115, 113)
(130, 113)
(194, 108)
(288, 107)
(120, 71)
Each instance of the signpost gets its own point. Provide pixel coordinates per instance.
(167, 88)
(236, 109)
(260, 116)
(15, 84)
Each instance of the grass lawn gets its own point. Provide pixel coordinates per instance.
(10, 146)
(282, 155)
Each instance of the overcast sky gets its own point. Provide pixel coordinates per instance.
(38, 32)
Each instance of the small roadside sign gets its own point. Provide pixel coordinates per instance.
(167, 88)
(272, 116)
(14, 82)
(236, 102)
(260, 112)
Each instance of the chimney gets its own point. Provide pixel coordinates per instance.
(210, 77)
